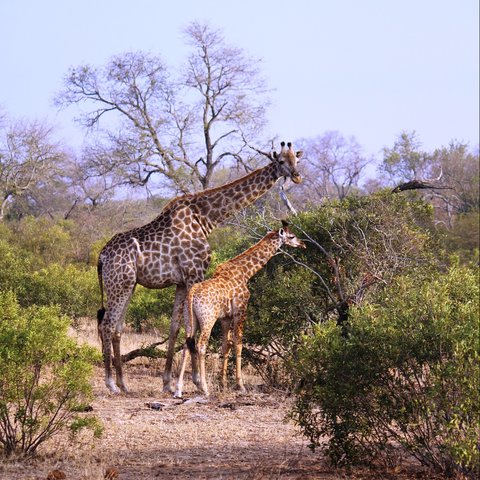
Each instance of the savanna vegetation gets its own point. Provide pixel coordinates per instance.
(373, 329)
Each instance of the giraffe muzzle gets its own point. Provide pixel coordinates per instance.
(296, 178)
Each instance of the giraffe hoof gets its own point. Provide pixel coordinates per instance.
(113, 389)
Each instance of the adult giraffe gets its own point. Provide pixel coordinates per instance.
(173, 250)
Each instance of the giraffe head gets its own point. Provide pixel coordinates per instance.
(287, 161)
(288, 237)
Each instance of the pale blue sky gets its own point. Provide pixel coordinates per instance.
(368, 68)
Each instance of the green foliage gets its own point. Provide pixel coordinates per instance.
(15, 264)
(463, 239)
(354, 247)
(47, 240)
(226, 243)
(44, 375)
(407, 374)
(74, 289)
(405, 161)
(92, 423)
(272, 306)
(151, 309)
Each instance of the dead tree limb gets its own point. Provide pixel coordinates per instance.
(418, 185)
(148, 351)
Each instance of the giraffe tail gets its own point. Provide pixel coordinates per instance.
(190, 340)
(191, 345)
(101, 311)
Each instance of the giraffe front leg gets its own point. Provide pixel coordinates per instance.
(172, 338)
(180, 294)
(237, 340)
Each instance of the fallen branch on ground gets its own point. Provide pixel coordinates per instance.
(148, 351)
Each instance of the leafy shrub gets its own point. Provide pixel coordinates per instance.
(44, 375)
(282, 309)
(463, 238)
(354, 247)
(49, 241)
(74, 289)
(408, 374)
(151, 309)
(15, 265)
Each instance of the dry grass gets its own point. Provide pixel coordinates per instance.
(228, 437)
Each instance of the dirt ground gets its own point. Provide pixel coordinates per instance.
(228, 436)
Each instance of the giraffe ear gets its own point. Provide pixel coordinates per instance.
(276, 157)
(281, 233)
(299, 154)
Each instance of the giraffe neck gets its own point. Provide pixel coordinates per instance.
(217, 204)
(252, 260)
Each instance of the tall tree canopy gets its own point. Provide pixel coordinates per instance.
(182, 127)
(29, 158)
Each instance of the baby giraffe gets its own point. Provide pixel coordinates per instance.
(225, 296)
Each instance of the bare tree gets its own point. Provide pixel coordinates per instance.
(334, 166)
(92, 177)
(28, 157)
(179, 129)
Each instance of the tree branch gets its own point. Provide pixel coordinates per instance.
(418, 185)
(149, 351)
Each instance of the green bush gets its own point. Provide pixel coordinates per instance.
(74, 289)
(151, 309)
(15, 266)
(463, 239)
(282, 309)
(48, 240)
(354, 247)
(408, 375)
(44, 376)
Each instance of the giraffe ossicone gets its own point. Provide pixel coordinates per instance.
(225, 297)
(173, 250)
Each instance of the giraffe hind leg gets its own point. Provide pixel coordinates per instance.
(106, 335)
(226, 347)
(117, 360)
(237, 341)
(110, 329)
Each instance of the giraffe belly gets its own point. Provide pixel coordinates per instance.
(150, 283)
(156, 278)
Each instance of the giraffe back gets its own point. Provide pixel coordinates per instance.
(163, 252)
